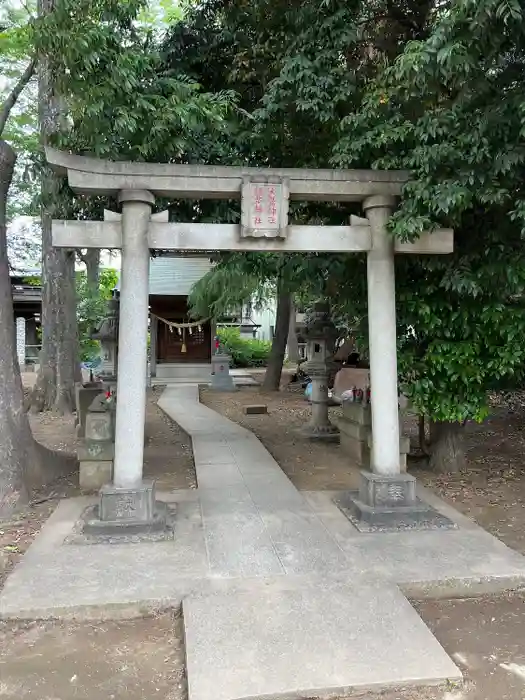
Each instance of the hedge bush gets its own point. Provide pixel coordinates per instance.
(245, 352)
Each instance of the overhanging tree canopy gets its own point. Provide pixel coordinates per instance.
(435, 88)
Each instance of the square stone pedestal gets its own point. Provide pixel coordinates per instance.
(389, 503)
(127, 511)
(96, 453)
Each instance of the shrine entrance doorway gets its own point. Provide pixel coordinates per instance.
(178, 338)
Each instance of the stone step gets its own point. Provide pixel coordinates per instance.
(308, 637)
(182, 373)
(183, 370)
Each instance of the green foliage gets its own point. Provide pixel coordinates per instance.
(451, 111)
(226, 287)
(433, 88)
(16, 31)
(16, 43)
(245, 352)
(115, 85)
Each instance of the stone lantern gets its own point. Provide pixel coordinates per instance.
(320, 334)
(107, 335)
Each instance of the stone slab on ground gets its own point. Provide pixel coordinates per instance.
(290, 533)
(255, 409)
(300, 537)
(55, 579)
(433, 563)
(321, 638)
(237, 541)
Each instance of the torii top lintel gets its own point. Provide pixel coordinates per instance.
(92, 176)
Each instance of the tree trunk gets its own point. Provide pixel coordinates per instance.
(15, 434)
(55, 384)
(446, 447)
(91, 259)
(23, 462)
(293, 344)
(423, 444)
(272, 377)
(54, 387)
(67, 347)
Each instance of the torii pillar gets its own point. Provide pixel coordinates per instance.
(387, 496)
(129, 502)
(383, 337)
(133, 338)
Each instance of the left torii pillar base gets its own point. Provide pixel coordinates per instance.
(128, 511)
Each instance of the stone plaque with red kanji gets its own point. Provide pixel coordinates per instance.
(264, 208)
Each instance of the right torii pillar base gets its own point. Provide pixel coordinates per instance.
(389, 503)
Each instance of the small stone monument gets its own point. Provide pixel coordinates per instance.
(320, 334)
(355, 427)
(96, 454)
(220, 370)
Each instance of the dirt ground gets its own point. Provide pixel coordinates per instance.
(126, 660)
(145, 658)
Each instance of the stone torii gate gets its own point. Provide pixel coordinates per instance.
(264, 194)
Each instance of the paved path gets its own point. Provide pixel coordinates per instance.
(327, 625)
(255, 521)
(291, 532)
(281, 595)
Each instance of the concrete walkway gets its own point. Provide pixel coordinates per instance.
(282, 596)
(292, 532)
(255, 521)
(330, 625)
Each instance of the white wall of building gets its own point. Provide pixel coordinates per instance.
(176, 276)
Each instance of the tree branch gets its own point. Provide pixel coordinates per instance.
(81, 256)
(13, 96)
